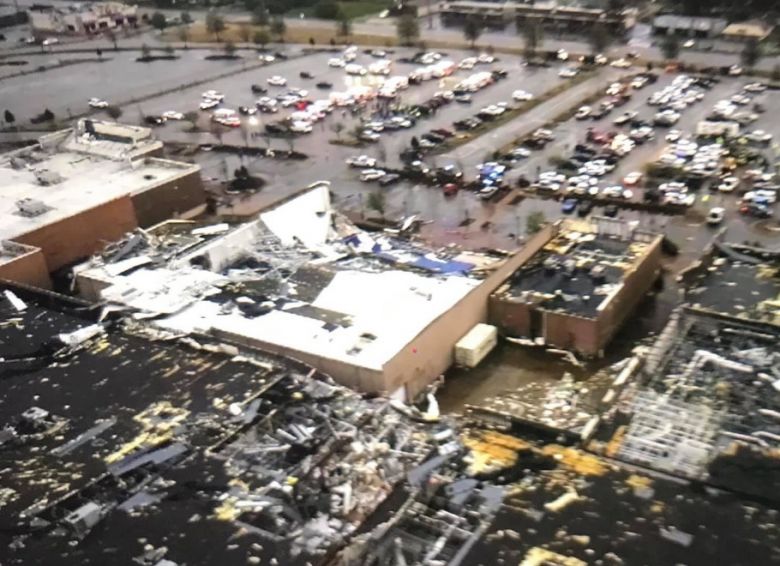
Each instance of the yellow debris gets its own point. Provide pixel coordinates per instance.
(639, 482)
(576, 460)
(542, 557)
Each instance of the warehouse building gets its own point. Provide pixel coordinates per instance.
(65, 197)
(550, 15)
(377, 313)
(87, 19)
(580, 287)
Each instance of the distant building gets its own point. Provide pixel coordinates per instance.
(11, 16)
(688, 26)
(550, 15)
(577, 290)
(81, 20)
(745, 31)
(67, 196)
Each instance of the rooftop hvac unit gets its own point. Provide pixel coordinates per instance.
(30, 207)
(598, 272)
(550, 265)
(475, 345)
(570, 267)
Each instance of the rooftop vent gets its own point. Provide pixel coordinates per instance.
(46, 177)
(598, 272)
(30, 208)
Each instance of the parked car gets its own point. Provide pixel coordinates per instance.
(172, 115)
(154, 120)
(756, 210)
(324, 85)
(389, 179)
(258, 89)
(97, 103)
(361, 161)
(569, 205)
(715, 215)
(276, 80)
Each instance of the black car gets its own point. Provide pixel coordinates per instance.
(443, 132)
(435, 138)
(154, 120)
(246, 111)
(611, 210)
(259, 89)
(306, 75)
(324, 85)
(280, 55)
(599, 113)
(389, 179)
(582, 148)
(275, 129)
(499, 74)
(585, 208)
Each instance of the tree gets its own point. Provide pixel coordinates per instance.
(215, 24)
(751, 53)
(327, 10)
(185, 18)
(115, 112)
(376, 201)
(472, 29)
(775, 73)
(532, 35)
(230, 49)
(344, 26)
(407, 28)
(192, 118)
(184, 35)
(9, 117)
(598, 38)
(534, 221)
(278, 27)
(245, 33)
(158, 21)
(111, 36)
(337, 128)
(260, 16)
(670, 47)
(262, 38)
(146, 51)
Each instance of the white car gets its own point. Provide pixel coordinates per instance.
(213, 95)
(673, 136)
(562, 55)
(600, 59)
(50, 41)
(361, 161)
(97, 103)
(759, 136)
(336, 62)
(583, 112)
(715, 215)
(728, 184)
(172, 115)
(468, 63)
(688, 44)
(567, 73)
(486, 58)
(369, 135)
(632, 178)
(276, 80)
(374, 126)
(300, 127)
(267, 58)
(754, 87)
(620, 63)
(760, 195)
(209, 103)
(522, 96)
(624, 118)
(735, 70)
(371, 175)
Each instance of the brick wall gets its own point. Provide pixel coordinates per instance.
(79, 236)
(173, 199)
(29, 268)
